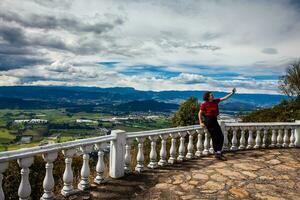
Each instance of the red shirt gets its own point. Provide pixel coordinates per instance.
(210, 109)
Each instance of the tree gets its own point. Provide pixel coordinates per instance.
(187, 113)
(289, 83)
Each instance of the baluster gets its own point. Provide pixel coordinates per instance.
(211, 149)
(242, 139)
(25, 188)
(100, 164)
(68, 173)
(140, 156)
(153, 155)
(48, 183)
(225, 143)
(190, 146)
(292, 139)
(181, 150)
(85, 169)
(163, 151)
(206, 142)
(258, 139)
(279, 138)
(264, 145)
(3, 167)
(250, 139)
(273, 138)
(234, 140)
(199, 144)
(172, 158)
(286, 138)
(127, 157)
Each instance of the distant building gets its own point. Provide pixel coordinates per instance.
(104, 131)
(106, 120)
(86, 121)
(120, 118)
(152, 117)
(38, 121)
(20, 121)
(31, 121)
(26, 139)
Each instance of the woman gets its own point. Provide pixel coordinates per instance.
(208, 113)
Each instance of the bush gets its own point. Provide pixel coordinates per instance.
(187, 113)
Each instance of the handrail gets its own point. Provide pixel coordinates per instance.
(132, 135)
(261, 124)
(28, 152)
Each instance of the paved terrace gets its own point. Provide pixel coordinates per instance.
(263, 163)
(260, 174)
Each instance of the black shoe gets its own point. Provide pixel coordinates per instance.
(220, 157)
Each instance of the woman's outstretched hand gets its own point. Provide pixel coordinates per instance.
(234, 90)
(228, 95)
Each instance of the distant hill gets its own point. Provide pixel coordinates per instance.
(15, 103)
(147, 105)
(283, 112)
(89, 97)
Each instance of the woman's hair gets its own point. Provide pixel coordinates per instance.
(206, 95)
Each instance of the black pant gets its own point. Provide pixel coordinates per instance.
(215, 131)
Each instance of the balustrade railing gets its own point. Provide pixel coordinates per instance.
(185, 143)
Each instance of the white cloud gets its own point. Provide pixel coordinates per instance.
(61, 41)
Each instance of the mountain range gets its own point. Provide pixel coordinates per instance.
(122, 98)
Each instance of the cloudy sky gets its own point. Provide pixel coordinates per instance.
(149, 44)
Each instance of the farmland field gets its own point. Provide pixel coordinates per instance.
(62, 126)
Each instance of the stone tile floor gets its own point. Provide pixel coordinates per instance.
(252, 174)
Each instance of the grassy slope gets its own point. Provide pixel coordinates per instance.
(283, 112)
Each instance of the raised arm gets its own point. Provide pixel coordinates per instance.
(229, 95)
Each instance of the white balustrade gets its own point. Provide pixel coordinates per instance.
(153, 155)
(190, 147)
(225, 143)
(264, 141)
(286, 138)
(140, 155)
(211, 148)
(297, 135)
(3, 167)
(48, 183)
(242, 139)
(273, 138)
(100, 164)
(181, 150)
(292, 139)
(250, 139)
(68, 174)
(120, 152)
(172, 158)
(127, 157)
(163, 151)
(117, 154)
(279, 138)
(257, 139)
(85, 169)
(199, 144)
(206, 143)
(24, 190)
(234, 140)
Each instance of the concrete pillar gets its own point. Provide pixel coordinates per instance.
(117, 153)
(297, 135)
